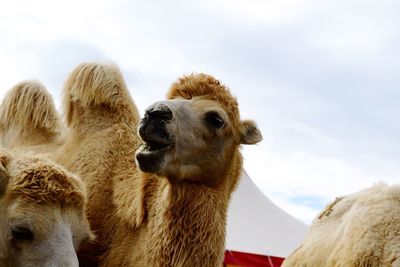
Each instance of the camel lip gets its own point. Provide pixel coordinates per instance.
(150, 160)
(154, 146)
(154, 150)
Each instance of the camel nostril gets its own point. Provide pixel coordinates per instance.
(160, 111)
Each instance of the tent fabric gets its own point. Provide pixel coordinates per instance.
(257, 226)
(236, 259)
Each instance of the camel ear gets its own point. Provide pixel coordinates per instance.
(4, 177)
(249, 133)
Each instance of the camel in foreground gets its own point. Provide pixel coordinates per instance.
(361, 229)
(42, 220)
(161, 199)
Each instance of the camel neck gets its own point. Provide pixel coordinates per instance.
(191, 219)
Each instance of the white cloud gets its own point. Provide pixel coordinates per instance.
(319, 77)
(354, 30)
(255, 12)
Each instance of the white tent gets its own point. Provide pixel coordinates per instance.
(257, 226)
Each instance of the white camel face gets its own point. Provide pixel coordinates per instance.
(41, 235)
(189, 138)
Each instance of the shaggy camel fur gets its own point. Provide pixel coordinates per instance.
(361, 229)
(175, 213)
(42, 219)
(28, 118)
(191, 147)
(100, 148)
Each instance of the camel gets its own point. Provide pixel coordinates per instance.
(42, 220)
(158, 188)
(169, 207)
(361, 229)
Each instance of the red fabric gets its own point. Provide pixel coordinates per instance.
(251, 260)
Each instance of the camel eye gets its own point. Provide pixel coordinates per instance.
(214, 120)
(21, 233)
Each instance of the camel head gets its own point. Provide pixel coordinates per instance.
(195, 134)
(42, 219)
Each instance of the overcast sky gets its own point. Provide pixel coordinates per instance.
(321, 78)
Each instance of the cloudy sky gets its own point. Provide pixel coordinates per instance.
(321, 78)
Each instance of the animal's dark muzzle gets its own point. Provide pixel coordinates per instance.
(153, 126)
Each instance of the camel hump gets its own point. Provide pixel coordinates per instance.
(28, 106)
(93, 85)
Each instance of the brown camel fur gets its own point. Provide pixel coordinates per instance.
(175, 218)
(169, 207)
(42, 219)
(100, 148)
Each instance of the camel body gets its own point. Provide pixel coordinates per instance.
(158, 188)
(361, 229)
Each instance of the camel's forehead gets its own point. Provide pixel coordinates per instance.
(22, 208)
(199, 103)
(205, 103)
(202, 85)
(39, 181)
(43, 217)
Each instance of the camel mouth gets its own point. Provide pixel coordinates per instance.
(154, 135)
(154, 131)
(150, 157)
(152, 146)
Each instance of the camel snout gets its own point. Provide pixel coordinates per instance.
(159, 111)
(152, 127)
